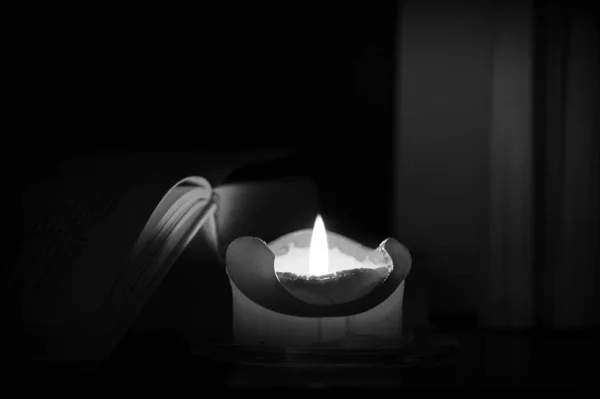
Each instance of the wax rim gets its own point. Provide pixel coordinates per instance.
(248, 260)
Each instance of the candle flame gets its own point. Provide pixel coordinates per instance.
(318, 263)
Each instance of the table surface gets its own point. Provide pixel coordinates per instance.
(484, 359)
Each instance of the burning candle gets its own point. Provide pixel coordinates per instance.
(318, 263)
(311, 287)
(322, 275)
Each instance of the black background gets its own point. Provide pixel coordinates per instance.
(318, 80)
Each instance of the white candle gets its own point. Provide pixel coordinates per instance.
(324, 268)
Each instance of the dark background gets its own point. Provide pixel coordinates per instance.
(389, 109)
(318, 80)
(355, 92)
(323, 82)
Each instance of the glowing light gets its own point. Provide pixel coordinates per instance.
(318, 262)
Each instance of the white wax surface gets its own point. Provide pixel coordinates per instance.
(296, 261)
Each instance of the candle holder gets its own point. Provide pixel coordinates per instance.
(363, 310)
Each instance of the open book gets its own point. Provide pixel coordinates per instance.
(79, 309)
(90, 268)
